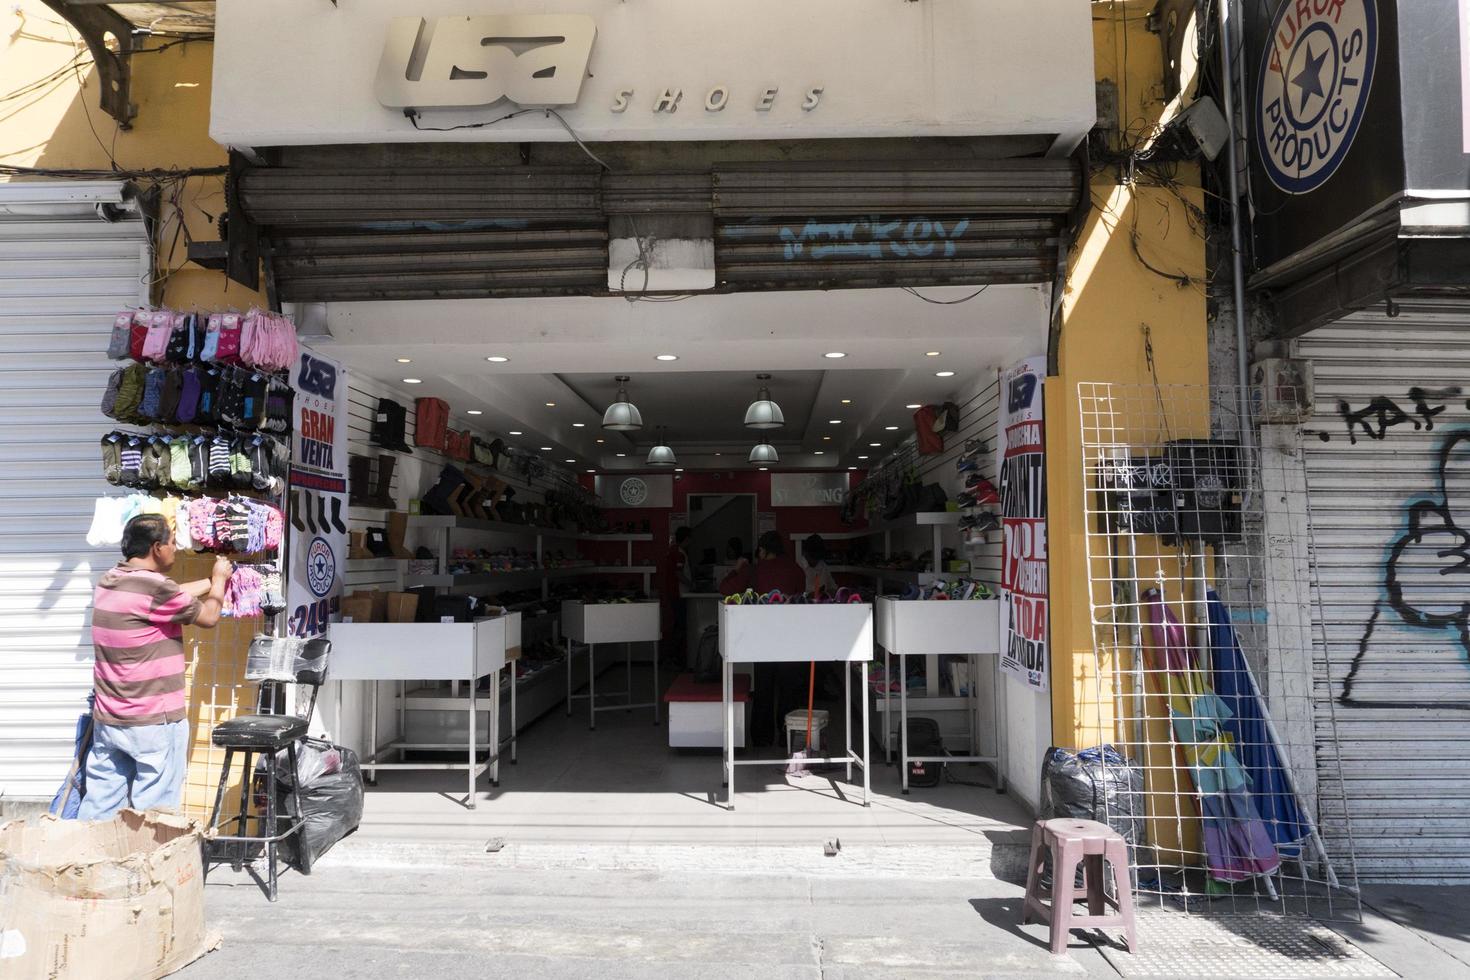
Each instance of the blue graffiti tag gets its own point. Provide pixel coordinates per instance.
(875, 238)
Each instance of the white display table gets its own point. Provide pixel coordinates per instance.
(928, 627)
(796, 634)
(429, 652)
(591, 623)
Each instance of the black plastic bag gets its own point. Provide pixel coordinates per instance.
(331, 799)
(1095, 784)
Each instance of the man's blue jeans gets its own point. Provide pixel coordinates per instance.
(141, 767)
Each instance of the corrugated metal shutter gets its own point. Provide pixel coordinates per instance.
(424, 232)
(804, 227)
(64, 273)
(1390, 398)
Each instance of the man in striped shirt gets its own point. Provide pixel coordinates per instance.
(140, 732)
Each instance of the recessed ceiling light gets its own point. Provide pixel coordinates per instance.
(678, 469)
(943, 374)
(405, 360)
(826, 438)
(719, 454)
(875, 445)
(931, 353)
(666, 357)
(852, 467)
(579, 425)
(602, 440)
(570, 461)
(847, 401)
(834, 421)
(497, 359)
(914, 405)
(516, 432)
(834, 354)
(862, 457)
(591, 471)
(764, 468)
(890, 428)
(546, 449)
(551, 404)
(622, 454)
(473, 411)
(819, 452)
(413, 381)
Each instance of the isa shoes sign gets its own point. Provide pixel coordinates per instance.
(318, 497)
(1021, 446)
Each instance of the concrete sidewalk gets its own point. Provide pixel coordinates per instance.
(378, 910)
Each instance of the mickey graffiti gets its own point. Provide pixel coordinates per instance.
(1427, 575)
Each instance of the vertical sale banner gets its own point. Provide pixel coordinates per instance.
(1021, 448)
(318, 498)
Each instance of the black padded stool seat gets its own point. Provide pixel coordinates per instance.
(264, 732)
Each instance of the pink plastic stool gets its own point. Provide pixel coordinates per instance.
(1088, 843)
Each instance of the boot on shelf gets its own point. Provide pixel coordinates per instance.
(456, 499)
(397, 529)
(473, 499)
(382, 495)
(358, 546)
(359, 475)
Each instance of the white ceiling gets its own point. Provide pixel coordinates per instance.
(567, 350)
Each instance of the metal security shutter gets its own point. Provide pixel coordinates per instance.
(808, 227)
(64, 274)
(431, 233)
(1390, 398)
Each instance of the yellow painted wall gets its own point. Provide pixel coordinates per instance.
(50, 118)
(1113, 301)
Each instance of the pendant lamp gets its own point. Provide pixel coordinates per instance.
(764, 453)
(661, 454)
(622, 415)
(764, 413)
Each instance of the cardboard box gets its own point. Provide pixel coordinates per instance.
(357, 608)
(120, 898)
(403, 607)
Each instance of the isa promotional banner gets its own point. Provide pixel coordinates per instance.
(1021, 444)
(318, 498)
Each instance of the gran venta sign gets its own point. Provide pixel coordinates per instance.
(535, 60)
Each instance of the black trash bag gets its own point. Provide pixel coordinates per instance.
(1096, 784)
(331, 799)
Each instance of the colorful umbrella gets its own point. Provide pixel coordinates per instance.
(1237, 844)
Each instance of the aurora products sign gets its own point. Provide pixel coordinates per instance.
(1316, 75)
(529, 59)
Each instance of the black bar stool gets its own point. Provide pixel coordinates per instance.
(273, 661)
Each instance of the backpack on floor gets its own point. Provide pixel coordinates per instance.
(707, 657)
(924, 740)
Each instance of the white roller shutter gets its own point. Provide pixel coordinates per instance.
(1390, 397)
(64, 272)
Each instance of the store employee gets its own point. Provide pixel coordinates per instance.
(773, 570)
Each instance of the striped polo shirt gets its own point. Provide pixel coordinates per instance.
(137, 628)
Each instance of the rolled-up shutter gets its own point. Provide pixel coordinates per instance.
(64, 273)
(858, 225)
(430, 232)
(423, 232)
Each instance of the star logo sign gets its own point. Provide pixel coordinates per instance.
(1309, 79)
(1312, 89)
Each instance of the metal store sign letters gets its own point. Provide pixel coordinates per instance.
(443, 62)
(530, 59)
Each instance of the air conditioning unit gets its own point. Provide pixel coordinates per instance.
(1281, 390)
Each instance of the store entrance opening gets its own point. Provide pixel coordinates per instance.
(838, 479)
